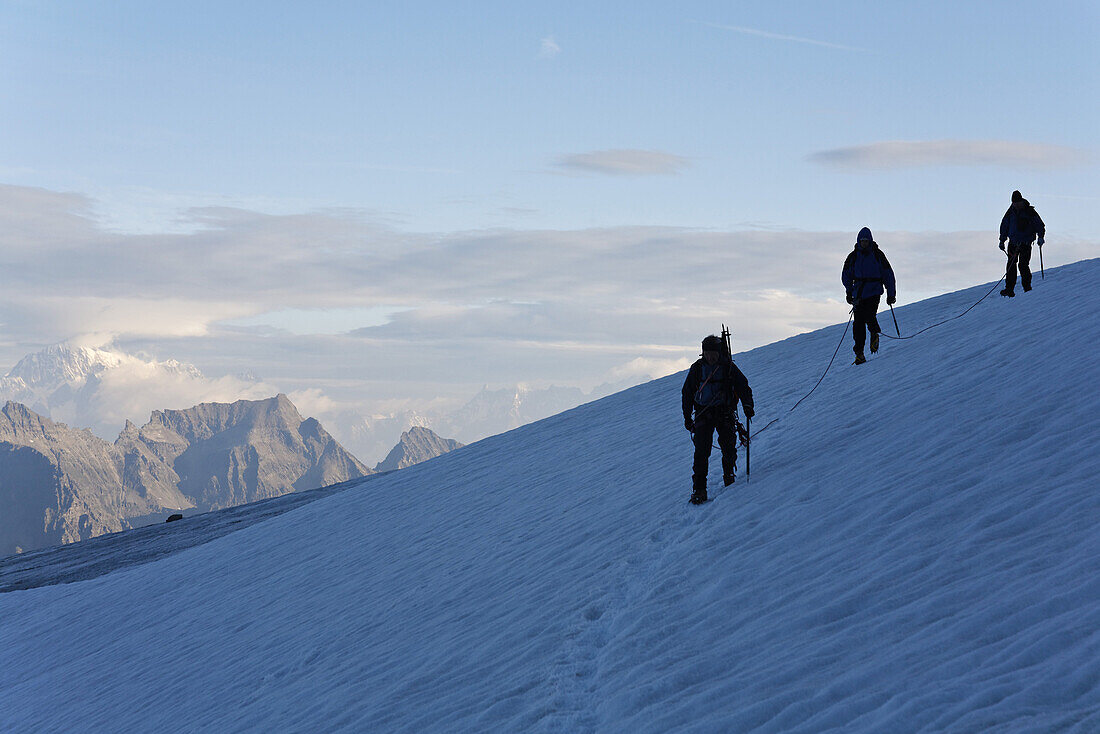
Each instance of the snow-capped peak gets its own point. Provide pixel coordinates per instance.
(62, 363)
(100, 388)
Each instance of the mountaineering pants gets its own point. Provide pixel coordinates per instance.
(1018, 254)
(707, 421)
(864, 320)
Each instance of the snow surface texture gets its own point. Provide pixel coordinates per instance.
(63, 564)
(917, 550)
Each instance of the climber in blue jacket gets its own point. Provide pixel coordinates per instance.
(1020, 225)
(866, 273)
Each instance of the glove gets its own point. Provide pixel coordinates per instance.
(891, 300)
(849, 299)
(749, 412)
(689, 424)
(1002, 246)
(1040, 242)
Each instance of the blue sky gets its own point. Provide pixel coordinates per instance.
(641, 144)
(438, 117)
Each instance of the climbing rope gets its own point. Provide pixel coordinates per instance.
(836, 351)
(898, 337)
(952, 318)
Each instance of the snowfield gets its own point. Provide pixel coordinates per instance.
(918, 549)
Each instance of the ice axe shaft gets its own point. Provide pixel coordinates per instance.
(895, 318)
(748, 446)
(1041, 271)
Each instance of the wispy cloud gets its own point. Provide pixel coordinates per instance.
(549, 48)
(778, 36)
(891, 154)
(625, 162)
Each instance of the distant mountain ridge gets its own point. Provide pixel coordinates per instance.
(100, 388)
(487, 413)
(103, 389)
(61, 371)
(56, 365)
(231, 453)
(416, 445)
(60, 485)
(495, 411)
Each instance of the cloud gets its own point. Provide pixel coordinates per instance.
(129, 387)
(424, 318)
(778, 36)
(625, 162)
(649, 367)
(549, 48)
(313, 402)
(893, 154)
(96, 320)
(136, 390)
(66, 277)
(43, 219)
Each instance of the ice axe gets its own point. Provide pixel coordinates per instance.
(748, 421)
(1041, 271)
(895, 319)
(748, 446)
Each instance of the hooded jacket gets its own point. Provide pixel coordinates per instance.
(865, 273)
(1021, 223)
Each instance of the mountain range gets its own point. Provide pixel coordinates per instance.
(101, 389)
(60, 485)
(104, 388)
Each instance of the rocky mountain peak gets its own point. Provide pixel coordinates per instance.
(416, 445)
(205, 420)
(58, 484)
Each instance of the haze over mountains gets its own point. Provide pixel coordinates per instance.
(103, 388)
(215, 454)
(61, 485)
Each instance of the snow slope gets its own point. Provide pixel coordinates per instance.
(918, 550)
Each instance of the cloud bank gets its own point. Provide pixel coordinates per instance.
(894, 154)
(625, 162)
(116, 387)
(439, 315)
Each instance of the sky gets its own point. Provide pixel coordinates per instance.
(394, 204)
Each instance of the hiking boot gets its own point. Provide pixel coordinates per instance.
(874, 342)
(1007, 293)
(728, 479)
(698, 498)
(1027, 288)
(860, 359)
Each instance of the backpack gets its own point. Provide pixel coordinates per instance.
(716, 382)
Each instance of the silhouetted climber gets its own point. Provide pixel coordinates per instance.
(1020, 225)
(712, 389)
(865, 273)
